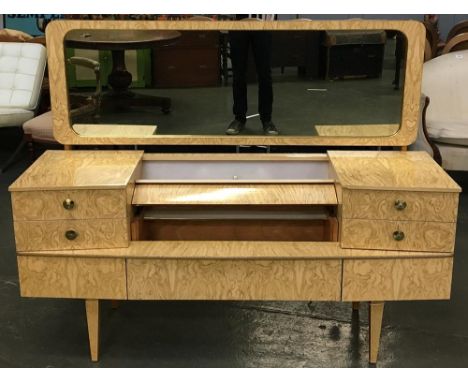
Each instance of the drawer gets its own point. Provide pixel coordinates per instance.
(82, 204)
(396, 205)
(187, 67)
(397, 279)
(91, 233)
(160, 279)
(190, 39)
(70, 277)
(398, 235)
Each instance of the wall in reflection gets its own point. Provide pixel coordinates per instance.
(143, 83)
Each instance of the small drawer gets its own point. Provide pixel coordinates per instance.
(396, 205)
(398, 235)
(397, 279)
(70, 277)
(71, 234)
(195, 279)
(76, 204)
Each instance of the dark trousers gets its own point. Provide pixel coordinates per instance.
(260, 42)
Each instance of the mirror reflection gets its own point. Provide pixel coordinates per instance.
(143, 83)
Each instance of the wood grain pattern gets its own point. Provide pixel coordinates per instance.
(375, 328)
(90, 130)
(415, 36)
(50, 235)
(397, 279)
(422, 206)
(68, 170)
(378, 234)
(252, 194)
(399, 170)
(236, 250)
(390, 170)
(375, 130)
(88, 204)
(234, 280)
(92, 319)
(43, 276)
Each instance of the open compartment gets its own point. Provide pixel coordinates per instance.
(238, 223)
(235, 198)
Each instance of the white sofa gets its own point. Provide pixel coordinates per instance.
(22, 68)
(445, 82)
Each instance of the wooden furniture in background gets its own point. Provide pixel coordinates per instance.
(352, 54)
(120, 79)
(193, 60)
(461, 27)
(458, 42)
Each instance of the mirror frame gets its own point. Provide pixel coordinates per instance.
(64, 133)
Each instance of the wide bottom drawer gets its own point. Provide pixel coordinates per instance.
(234, 279)
(397, 279)
(88, 278)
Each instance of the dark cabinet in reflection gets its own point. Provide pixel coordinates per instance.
(298, 49)
(193, 60)
(352, 54)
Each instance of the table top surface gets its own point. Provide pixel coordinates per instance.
(89, 169)
(117, 39)
(390, 170)
(379, 170)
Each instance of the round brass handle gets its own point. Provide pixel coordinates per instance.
(400, 205)
(71, 235)
(398, 235)
(68, 204)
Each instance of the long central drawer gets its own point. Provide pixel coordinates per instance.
(157, 279)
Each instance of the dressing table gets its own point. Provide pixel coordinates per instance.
(345, 225)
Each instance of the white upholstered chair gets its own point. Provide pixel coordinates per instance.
(444, 124)
(22, 68)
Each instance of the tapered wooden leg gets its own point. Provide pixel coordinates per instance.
(115, 304)
(355, 305)
(92, 317)
(375, 327)
(67, 147)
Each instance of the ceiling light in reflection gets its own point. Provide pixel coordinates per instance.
(216, 195)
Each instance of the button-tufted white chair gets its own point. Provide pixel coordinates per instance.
(22, 68)
(444, 124)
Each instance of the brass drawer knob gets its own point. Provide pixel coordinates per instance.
(71, 234)
(398, 235)
(400, 205)
(68, 204)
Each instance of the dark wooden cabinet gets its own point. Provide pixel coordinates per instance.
(300, 49)
(352, 54)
(193, 60)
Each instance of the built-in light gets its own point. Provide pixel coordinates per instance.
(216, 195)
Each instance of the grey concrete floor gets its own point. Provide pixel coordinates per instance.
(52, 332)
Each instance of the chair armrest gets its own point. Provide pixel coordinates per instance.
(86, 62)
(435, 149)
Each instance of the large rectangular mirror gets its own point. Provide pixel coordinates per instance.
(185, 82)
